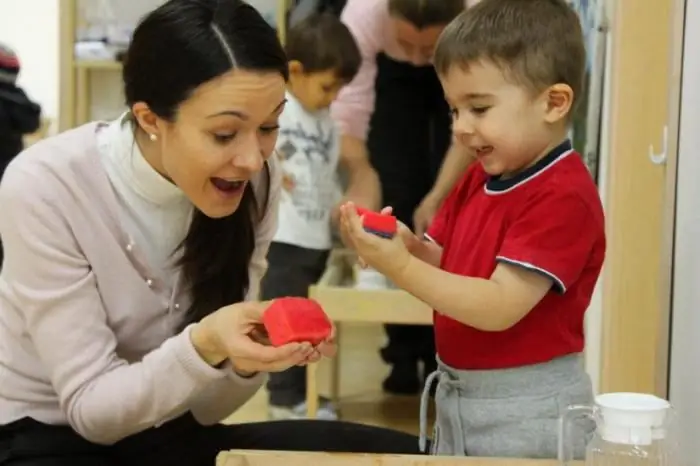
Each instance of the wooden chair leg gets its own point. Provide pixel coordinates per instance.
(312, 390)
(335, 367)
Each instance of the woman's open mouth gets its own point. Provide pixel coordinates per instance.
(229, 188)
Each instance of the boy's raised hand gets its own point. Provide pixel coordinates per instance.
(387, 256)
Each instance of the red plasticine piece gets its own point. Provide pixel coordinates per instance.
(298, 320)
(379, 224)
(362, 211)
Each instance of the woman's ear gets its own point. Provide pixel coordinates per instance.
(146, 119)
(559, 100)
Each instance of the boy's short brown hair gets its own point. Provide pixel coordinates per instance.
(426, 13)
(321, 42)
(537, 43)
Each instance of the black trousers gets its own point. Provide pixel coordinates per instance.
(410, 133)
(183, 442)
(291, 271)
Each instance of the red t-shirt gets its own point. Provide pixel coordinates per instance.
(547, 219)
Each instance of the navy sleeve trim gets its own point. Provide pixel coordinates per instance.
(558, 283)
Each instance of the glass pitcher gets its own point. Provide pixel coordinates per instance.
(632, 429)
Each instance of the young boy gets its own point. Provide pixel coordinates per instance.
(323, 57)
(512, 257)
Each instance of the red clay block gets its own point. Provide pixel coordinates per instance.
(362, 211)
(380, 225)
(299, 320)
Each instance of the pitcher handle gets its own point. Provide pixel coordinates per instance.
(566, 444)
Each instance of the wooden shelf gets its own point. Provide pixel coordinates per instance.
(98, 65)
(344, 303)
(76, 74)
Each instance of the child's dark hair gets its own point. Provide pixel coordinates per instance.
(179, 46)
(537, 43)
(426, 13)
(321, 42)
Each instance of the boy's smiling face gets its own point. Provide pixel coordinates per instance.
(505, 124)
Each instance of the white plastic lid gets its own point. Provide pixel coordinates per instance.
(632, 418)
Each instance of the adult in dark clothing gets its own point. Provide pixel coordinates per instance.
(394, 112)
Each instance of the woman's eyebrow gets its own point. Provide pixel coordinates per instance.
(241, 115)
(234, 113)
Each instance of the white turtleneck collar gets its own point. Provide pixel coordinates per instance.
(155, 212)
(130, 162)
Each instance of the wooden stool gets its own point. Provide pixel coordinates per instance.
(343, 303)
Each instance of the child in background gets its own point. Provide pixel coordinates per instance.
(323, 57)
(510, 262)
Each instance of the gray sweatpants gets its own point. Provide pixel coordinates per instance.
(507, 412)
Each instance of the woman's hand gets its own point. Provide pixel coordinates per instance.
(387, 256)
(235, 333)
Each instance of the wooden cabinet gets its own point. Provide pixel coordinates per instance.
(640, 193)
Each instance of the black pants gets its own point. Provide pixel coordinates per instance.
(184, 442)
(409, 136)
(291, 271)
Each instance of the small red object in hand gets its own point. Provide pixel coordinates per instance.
(378, 224)
(300, 320)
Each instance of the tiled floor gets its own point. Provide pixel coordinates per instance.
(362, 372)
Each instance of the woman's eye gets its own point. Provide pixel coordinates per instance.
(224, 138)
(269, 129)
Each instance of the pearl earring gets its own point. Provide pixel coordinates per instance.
(153, 137)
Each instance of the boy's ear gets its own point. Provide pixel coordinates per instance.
(295, 67)
(559, 100)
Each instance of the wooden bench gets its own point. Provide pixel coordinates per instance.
(343, 303)
(270, 458)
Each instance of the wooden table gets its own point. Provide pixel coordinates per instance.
(343, 303)
(269, 458)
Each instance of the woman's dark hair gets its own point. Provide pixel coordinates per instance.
(427, 13)
(176, 48)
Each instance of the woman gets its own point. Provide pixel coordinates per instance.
(128, 326)
(395, 109)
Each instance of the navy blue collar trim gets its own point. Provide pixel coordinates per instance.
(496, 184)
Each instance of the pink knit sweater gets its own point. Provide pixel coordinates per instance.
(86, 333)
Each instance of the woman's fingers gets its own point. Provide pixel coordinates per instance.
(327, 349)
(247, 348)
(259, 334)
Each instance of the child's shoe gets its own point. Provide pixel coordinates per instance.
(326, 411)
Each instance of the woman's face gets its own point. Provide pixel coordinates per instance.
(417, 44)
(220, 138)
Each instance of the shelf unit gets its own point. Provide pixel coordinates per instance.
(76, 75)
